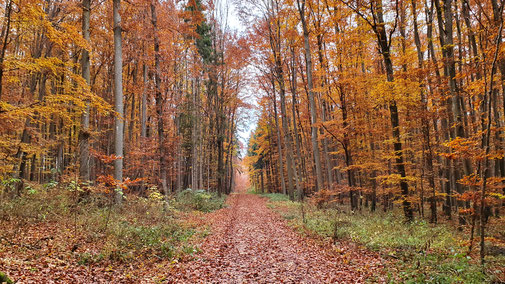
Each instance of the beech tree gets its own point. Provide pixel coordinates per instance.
(401, 101)
(71, 112)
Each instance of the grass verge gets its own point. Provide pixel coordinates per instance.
(418, 252)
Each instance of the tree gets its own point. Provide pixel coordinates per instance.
(84, 166)
(118, 98)
(313, 112)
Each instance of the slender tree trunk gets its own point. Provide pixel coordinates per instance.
(276, 45)
(159, 101)
(118, 98)
(298, 174)
(4, 36)
(351, 180)
(143, 105)
(84, 135)
(312, 103)
(278, 135)
(194, 137)
(324, 67)
(384, 47)
(425, 121)
(131, 125)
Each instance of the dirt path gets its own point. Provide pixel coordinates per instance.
(252, 244)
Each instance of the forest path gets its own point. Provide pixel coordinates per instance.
(252, 244)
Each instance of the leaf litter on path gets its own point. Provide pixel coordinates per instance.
(252, 244)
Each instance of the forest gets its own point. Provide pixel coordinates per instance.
(253, 141)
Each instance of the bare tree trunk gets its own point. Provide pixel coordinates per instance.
(229, 153)
(118, 98)
(276, 46)
(425, 121)
(84, 166)
(292, 173)
(131, 125)
(143, 105)
(4, 36)
(323, 65)
(297, 173)
(346, 145)
(159, 100)
(194, 136)
(384, 46)
(312, 103)
(278, 135)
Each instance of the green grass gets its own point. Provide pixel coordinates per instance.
(272, 197)
(252, 190)
(418, 252)
(275, 197)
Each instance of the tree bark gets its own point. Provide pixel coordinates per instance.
(159, 101)
(84, 135)
(425, 121)
(118, 99)
(278, 134)
(312, 103)
(4, 36)
(384, 46)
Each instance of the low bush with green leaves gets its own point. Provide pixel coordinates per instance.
(199, 200)
(129, 241)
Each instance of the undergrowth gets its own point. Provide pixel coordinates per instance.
(91, 229)
(418, 252)
(199, 200)
(275, 197)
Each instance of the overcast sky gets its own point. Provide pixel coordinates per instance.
(248, 116)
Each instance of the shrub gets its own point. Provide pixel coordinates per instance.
(128, 241)
(199, 200)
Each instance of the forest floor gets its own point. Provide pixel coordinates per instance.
(51, 237)
(252, 244)
(245, 242)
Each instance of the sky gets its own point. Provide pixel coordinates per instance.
(249, 117)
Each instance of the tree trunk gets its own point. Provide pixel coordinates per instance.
(4, 36)
(84, 165)
(143, 105)
(118, 99)
(384, 47)
(324, 67)
(298, 174)
(159, 101)
(425, 121)
(278, 135)
(312, 103)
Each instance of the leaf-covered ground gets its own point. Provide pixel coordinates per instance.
(252, 244)
(248, 243)
(132, 244)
